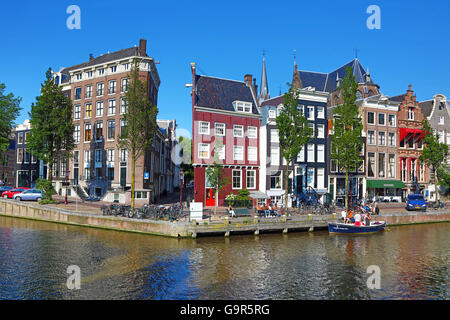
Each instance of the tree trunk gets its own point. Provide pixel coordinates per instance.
(216, 203)
(133, 167)
(50, 172)
(346, 191)
(436, 185)
(286, 184)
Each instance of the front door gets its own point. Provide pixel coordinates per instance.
(210, 197)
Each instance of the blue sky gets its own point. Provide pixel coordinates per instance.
(227, 38)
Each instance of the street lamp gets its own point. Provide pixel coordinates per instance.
(181, 175)
(67, 179)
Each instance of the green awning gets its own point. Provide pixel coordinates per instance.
(380, 184)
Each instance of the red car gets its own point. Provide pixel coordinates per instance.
(9, 194)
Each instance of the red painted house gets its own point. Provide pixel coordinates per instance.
(225, 129)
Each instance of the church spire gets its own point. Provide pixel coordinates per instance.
(296, 80)
(264, 89)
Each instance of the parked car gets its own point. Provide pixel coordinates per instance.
(5, 188)
(10, 193)
(416, 202)
(30, 194)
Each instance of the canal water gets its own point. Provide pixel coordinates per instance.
(414, 263)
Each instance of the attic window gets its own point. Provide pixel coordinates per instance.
(241, 106)
(79, 76)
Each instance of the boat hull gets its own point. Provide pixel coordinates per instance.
(341, 228)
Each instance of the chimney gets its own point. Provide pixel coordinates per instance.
(91, 57)
(248, 80)
(142, 47)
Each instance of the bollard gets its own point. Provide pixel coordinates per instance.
(227, 234)
(257, 232)
(226, 221)
(285, 230)
(194, 235)
(283, 218)
(309, 216)
(311, 229)
(255, 219)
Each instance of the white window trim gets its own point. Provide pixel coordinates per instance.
(218, 124)
(255, 136)
(313, 153)
(375, 136)
(200, 128)
(323, 131)
(281, 180)
(395, 121)
(254, 178)
(200, 150)
(234, 132)
(378, 119)
(309, 113)
(379, 140)
(234, 152)
(318, 153)
(256, 153)
(374, 118)
(240, 178)
(318, 113)
(272, 158)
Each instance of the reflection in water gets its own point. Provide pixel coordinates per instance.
(414, 263)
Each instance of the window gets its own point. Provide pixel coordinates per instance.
(242, 106)
(381, 165)
(124, 155)
(88, 92)
(301, 155)
(141, 194)
(203, 127)
(98, 155)
(203, 151)
(98, 130)
(99, 109)
(20, 138)
(301, 108)
(126, 66)
(275, 156)
(252, 132)
(275, 180)
(272, 114)
(410, 113)
(78, 93)
(90, 74)
(110, 155)
(371, 137)
(310, 113)
(113, 69)
(219, 129)
(33, 158)
(101, 72)
(382, 138)
(333, 165)
(251, 179)
(441, 136)
(220, 150)
(124, 85)
(320, 131)
(310, 150)
(391, 171)
(371, 164)
(87, 132)
(237, 179)
(320, 153)
(111, 129)
(87, 173)
(441, 120)
(26, 136)
(391, 119)
(87, 157)
(381, 119)
(320, 113)
(238, 153)
(76, 156)
(76, 133)
(252, 153)
(62, 173)
(100, 87)
(123, 124)
(88, 112)
(111, 107)
(110, 174)
(274, 137)
(112, 87)
(123, 106)
(311, 126)
(392, 139)
(320, 178)
(371, 118)
(448, 137)
(310, 177)
(77, 111)
(238, 131)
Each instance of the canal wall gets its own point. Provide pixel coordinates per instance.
(226, 227)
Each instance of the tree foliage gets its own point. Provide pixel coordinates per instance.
(9, 111)
(140, 122)
(47, 188)
(293, 131)
(51, 134)
(434, 153)
(347, 140)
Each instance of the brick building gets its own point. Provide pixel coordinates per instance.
(225, 129)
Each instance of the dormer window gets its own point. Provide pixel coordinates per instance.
(79, 76)
(241, 106)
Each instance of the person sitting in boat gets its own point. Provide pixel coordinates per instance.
(357, 219)
(349, 217)
(343, 214)
(367, 218)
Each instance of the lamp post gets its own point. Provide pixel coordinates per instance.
(67, 182)
(181, 175)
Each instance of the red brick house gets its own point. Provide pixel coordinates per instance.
(226, 122)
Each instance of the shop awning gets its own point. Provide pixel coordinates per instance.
(258, 195)
(381, 184)
(404, 132)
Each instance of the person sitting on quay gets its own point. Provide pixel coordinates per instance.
(231, 211)
(268, 211)
(275, 209)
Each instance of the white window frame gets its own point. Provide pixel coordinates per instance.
(255, 153)
(374, 118)
(274, 136)
(238, 126)
(272, 114)
(320, 114)
(204, 127)
(379, 138)
(395, 120)
(410, 113)
(252, 132)
(322, 136)
(310, 115)
(240, 179)
(275, 157)
(378, 119)
(241, 153)
(441, 122)
(280, 178)
(374, 136)
(99, 110)
(395, 141)
(219, 126)
(320, 182)
(312, 126)
(301, 155)
(320, 159)
(253, 178)
(200, 150)
(310, 157)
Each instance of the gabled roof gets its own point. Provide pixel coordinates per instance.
(217, 93)
(426, 107)
(398, 98)
(328, 81)
(275, 101)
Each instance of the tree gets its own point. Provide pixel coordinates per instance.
(9, 111)
(293, 132)
(140, 122)
(51, 134)
(433, 153)
(216, 179)
(347, 125)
